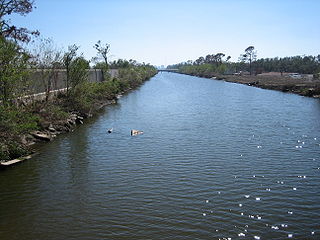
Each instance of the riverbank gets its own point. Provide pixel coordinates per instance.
(303, 86)
(22, 126)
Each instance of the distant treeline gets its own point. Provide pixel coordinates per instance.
(299, 64)
(221, 64)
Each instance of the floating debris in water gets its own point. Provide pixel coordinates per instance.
(258, 217)
(302, 176)
(241, 235)
(135, 132)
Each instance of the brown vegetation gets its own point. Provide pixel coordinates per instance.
(304, 86)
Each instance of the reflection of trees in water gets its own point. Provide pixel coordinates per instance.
(19, 195)
(77, 168)
(78, 155)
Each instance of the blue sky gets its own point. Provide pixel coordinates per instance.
(166, 32)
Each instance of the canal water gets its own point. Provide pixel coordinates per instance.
(217, 160)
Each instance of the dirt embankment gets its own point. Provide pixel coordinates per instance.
(304, 86)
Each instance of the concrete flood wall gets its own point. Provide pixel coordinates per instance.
(39, 79)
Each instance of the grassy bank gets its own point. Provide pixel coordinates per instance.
(23, 125)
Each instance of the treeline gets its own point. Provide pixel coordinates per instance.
(19, 58)
(296, 64)
(248, 62)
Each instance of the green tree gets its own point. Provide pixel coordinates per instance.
(67, 61)
(13, 65)
(78, 72)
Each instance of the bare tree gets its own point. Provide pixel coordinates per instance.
(47, 58)
(103, 50)
(7, 30)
